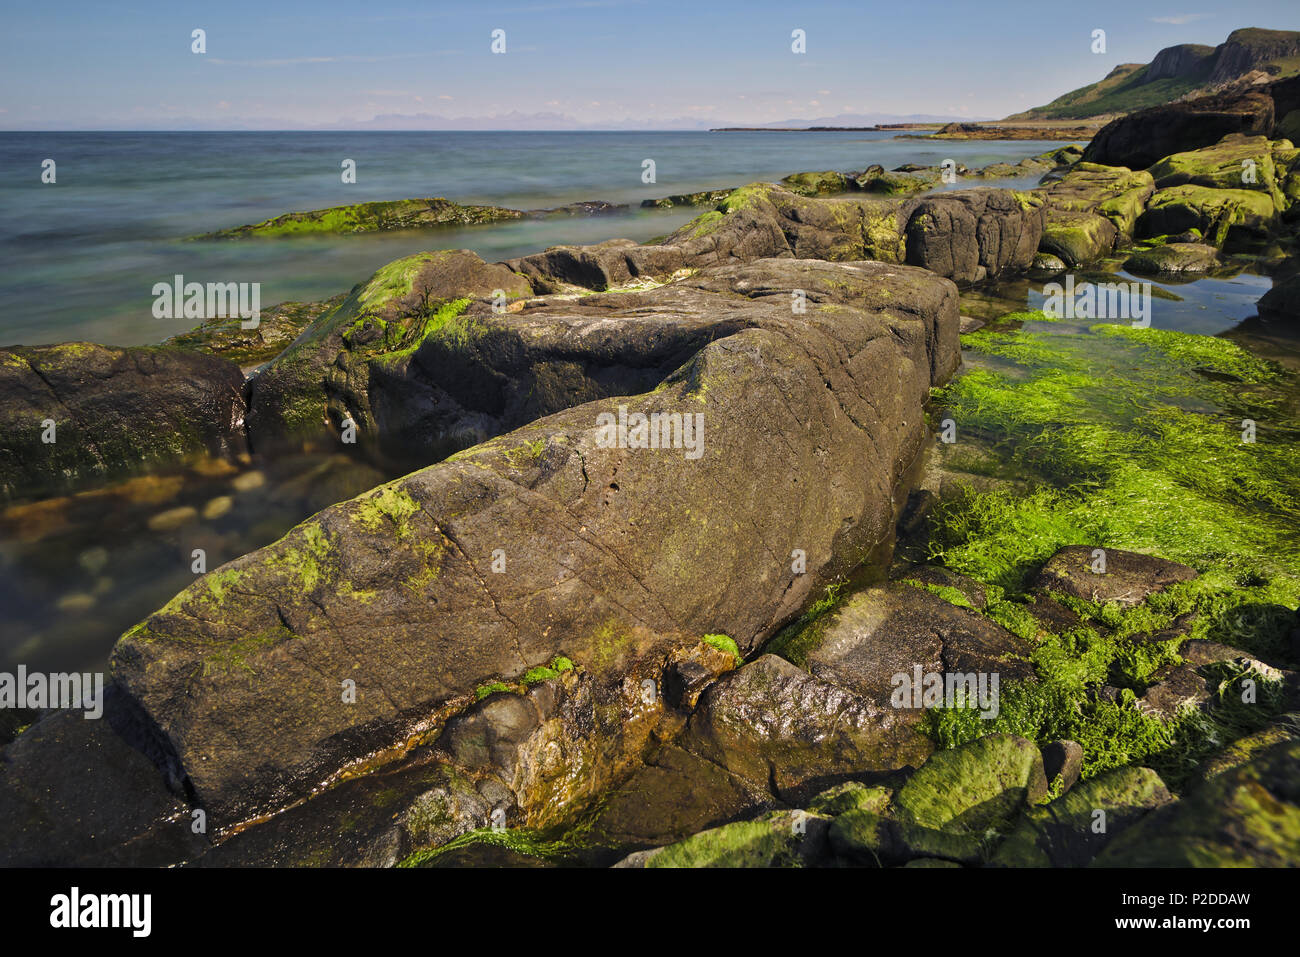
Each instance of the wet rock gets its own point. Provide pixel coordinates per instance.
(114, 411)
(173, 518)
(1248, 816)
(1282, 301)
(324, 378)
(1177, 688)
(373, 217)
(1174, 258)
(1128, 578)
(78, 792)
(1063, 760)
(941, 577)
(1073, 829)
(277, 327)
(1285, 727)
(970, 324)
(674, 795)
(826, 183)
(985, 784)
(1047, 264)
(773, 724)
(882, 632)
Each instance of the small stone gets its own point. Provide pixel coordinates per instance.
(76, 603)
(248, 481)
(173, 518)
(1064, 760)
(217, 507)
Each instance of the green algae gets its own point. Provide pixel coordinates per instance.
(724, 643)
(1128, 438)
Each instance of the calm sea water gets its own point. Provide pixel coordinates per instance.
(78, 259)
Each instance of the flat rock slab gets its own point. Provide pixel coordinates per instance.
(1128, 578)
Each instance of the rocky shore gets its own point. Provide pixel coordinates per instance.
(674, 518)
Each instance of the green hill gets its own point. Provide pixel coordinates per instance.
(1177, 72)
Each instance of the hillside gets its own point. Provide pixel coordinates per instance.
(1179, 72)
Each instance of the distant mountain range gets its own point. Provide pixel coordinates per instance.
(560, 121)
(1248, 57)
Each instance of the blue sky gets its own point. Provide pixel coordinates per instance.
(324, 63)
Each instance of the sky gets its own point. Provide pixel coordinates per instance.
(329, 64)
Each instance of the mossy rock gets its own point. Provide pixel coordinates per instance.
(981, 785)
(864, 837)
(1246, 817)
(777, 839)
(1174, 258)
(1077, 237)
(825, 183)
(372, 217)
(1235, 162)
(1070, 831)
(851, 796)
(1213, 211)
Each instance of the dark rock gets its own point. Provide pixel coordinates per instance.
(1063, 760)
(394, 589)
(1141, 138)
(947, 578)
(277, 327)
(1074, 829)
(885, 631)
(116, 411)
(770, 721)
(1177, 688)
(1128, 578)
(974, 234)
(88, 793)
(1282, 301)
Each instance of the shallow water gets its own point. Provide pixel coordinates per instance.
(78, 259)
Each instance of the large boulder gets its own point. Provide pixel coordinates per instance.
(1073, 829)
(773, 722)
(1248, 816)
(964, 236)
(322, 379)
(1215, 213)
(1091, 209)
(113, 411)
(1236, 162)
(975, 234)
(610, 552)
(1140, 139)
(980, 786)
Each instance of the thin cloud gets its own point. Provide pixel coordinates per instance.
(294, 61)
(1179, 19)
